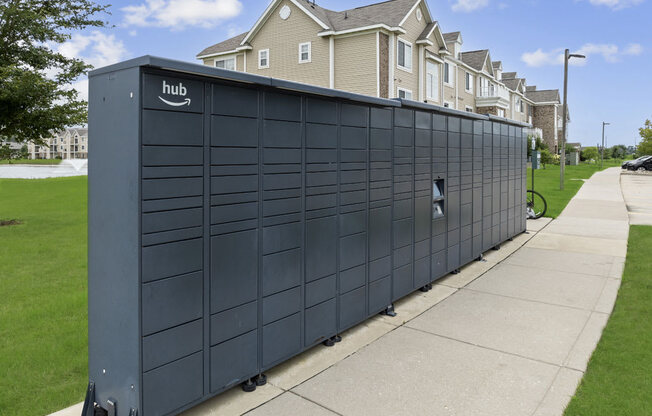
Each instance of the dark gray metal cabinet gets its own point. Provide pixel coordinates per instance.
(235, 220)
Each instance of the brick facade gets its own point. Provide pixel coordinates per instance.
(383, 49)
(493, 110)
(544, 118)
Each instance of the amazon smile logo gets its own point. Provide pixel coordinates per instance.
(179, 90)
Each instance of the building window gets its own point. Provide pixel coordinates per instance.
(448, 74)
(404, 55)
(404, 93)
(432, 81)
(228, 63)
(469, 109)
(82, 147)
(501, 113)
(447, 105)
(263, 58)
(304, 53)
(469, 82)
(518, 105)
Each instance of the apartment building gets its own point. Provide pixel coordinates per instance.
(70, 143)
(547, 113)
(392, 49)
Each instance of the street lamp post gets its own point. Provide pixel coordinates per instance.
(602, 152)
(562, 157)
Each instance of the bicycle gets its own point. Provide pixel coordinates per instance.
(536, 205)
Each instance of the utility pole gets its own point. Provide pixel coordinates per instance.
(562, 147)
(602, 152)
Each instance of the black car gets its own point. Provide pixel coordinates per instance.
(626, 164)
(642, 163)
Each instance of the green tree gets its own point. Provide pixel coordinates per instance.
(590, 153)
(618, 151)
(645, 145)
(32, 103)
(546, 157)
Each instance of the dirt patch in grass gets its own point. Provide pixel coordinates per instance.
(9, 222)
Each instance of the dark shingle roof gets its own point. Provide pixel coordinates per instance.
(509, 75)
(512, 83)
(531, 88)
(227, 45)
(543, 96)
(475, 59)
(497, 64)
(389, 13)
(427, 30)
(451, 37)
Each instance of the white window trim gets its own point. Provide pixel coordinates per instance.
(260, 52)
(399, 66)
(235, 62)
(451, 75)
(309, 52)
(399, 89)
(471, 80)
(436, 85)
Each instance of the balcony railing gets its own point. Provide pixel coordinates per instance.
(493, 91)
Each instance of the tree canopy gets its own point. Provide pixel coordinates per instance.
(645, 145)
(35, 93)
(590, 153)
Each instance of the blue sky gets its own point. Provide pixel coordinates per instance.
(528, 36)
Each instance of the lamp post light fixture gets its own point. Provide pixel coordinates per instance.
(562, 158)
(602, 150)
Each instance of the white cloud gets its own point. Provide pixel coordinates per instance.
(633, 49)
(610, 53)
(181, 14)
(96, 48)
(616, 4)
(82, 89)
(541, 58)
(469, 5)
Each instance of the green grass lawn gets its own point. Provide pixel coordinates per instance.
(43, 310)
(618, 380)
(546, 182)
(30, 162)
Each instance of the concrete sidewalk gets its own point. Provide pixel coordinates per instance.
(512, 336)
(507, 336)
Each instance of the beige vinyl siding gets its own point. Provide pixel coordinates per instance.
(282, 38)
(465, 98)
(355, 63)
(239, 62)
(404, 79)
(449, 94)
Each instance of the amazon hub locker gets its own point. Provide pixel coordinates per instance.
(236, 221)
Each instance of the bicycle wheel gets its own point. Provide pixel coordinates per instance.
(536, 205)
